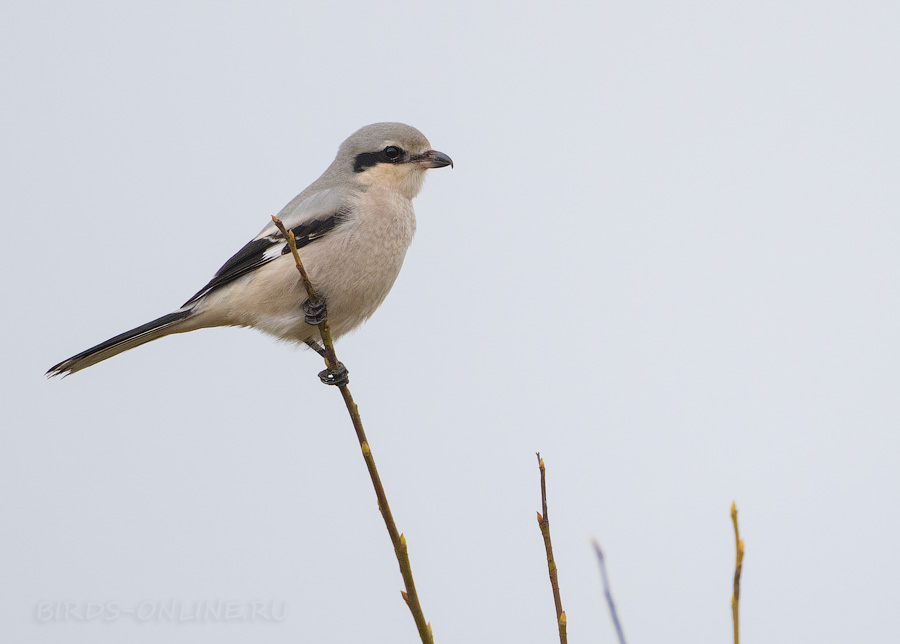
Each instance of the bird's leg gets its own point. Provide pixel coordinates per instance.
(315, 313)
(315, 346)
(339, 376)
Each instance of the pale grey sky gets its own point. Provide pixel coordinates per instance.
(667, 258)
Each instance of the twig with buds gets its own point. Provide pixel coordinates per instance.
(331, 362)
(544, 523)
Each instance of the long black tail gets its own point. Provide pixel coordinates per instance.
(122, 342)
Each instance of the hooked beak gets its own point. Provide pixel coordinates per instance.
(433, 159)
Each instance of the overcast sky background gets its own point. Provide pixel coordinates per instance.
(667, 258)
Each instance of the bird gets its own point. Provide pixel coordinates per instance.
(352, 226)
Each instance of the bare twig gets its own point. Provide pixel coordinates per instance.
(608, 593)
(738, 564)
(398, 540)
(544, 523)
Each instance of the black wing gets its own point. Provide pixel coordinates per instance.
(266, 249)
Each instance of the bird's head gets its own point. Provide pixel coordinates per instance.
(392, 155)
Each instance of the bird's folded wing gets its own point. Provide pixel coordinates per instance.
(311, 219)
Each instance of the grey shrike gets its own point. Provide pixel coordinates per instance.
(353, 226)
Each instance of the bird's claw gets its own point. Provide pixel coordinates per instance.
(315, 313)
(338, 376)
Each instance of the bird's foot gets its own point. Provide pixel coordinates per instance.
(338, 376)
(315, 313)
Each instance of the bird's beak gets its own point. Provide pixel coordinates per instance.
(433, 159)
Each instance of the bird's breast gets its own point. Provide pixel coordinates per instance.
(354, 266)
(365, 258)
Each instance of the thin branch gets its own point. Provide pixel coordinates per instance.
(738, 565)
(608, 593)
(398, 540)
(544, 523)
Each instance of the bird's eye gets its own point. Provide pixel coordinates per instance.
(392, 152)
